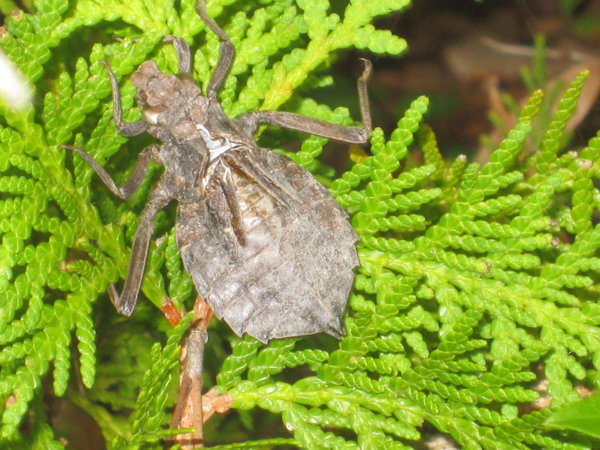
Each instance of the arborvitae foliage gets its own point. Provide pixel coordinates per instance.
(477, 284)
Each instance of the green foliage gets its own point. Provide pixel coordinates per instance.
(582, 416)
(147, 417)
(476, 283)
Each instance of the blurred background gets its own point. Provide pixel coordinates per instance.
(477, 61)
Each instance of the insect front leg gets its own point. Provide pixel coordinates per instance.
(126, 129)
(226, 52)
(125, 302)
(354, 135)
(183, 53)
(136, 177)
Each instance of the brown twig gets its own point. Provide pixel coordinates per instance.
(188, 410)
(212, 403)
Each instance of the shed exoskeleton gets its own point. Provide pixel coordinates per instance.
(264, 242)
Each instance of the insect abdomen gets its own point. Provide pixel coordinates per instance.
(293, 275)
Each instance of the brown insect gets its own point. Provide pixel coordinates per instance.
(265, 244)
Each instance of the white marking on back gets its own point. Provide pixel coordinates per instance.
(215, 147)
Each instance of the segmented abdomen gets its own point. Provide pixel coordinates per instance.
(293, 274)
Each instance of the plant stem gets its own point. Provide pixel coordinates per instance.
(188, 410)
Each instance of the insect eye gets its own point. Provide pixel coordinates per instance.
(152, 114)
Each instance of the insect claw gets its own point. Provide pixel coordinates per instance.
(367, 70)
(122, 308)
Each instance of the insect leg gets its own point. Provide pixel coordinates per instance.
(137, 175)
(125, 302)
(183, 53)
(355, 135)
(363, 95)
(226, 52)
(126, 129)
